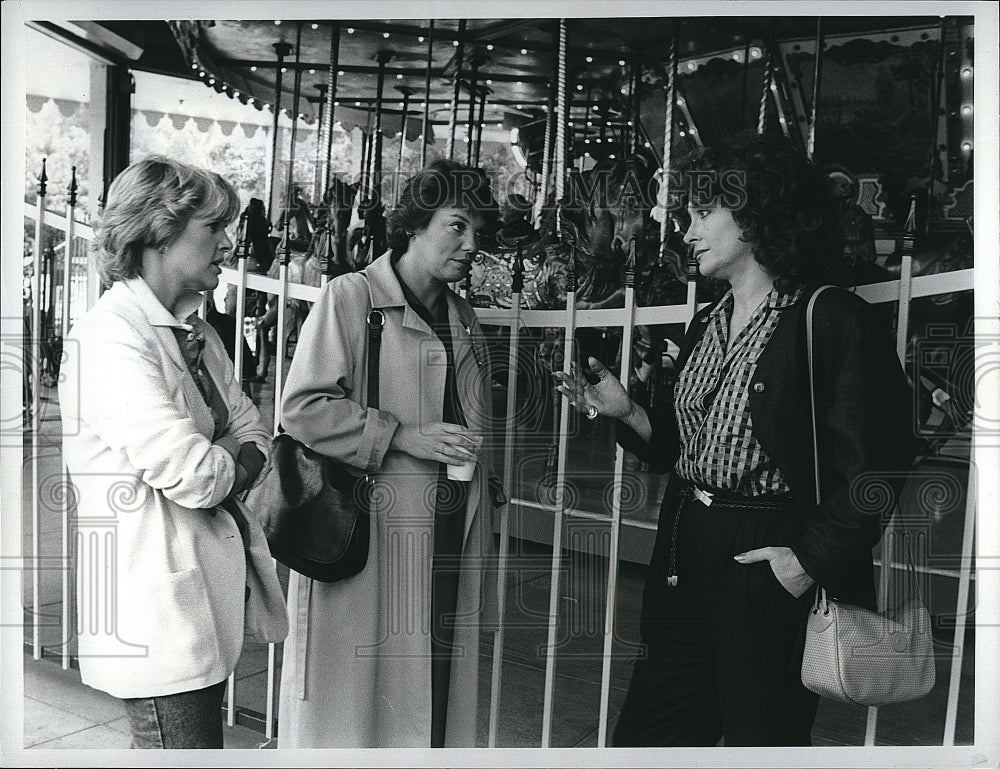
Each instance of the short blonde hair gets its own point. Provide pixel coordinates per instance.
(148, 206)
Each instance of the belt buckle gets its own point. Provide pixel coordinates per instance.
(704, 497)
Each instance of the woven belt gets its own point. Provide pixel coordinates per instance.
(718, 499)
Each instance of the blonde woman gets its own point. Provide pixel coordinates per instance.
(160, 440)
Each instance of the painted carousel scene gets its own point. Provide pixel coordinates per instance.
(585, 130)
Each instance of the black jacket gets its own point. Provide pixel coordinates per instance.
(866, 435)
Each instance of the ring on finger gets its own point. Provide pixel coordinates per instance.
(591, 412)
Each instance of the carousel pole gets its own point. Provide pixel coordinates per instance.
(768, 79)
(284, 255)
(36, 421)
(569, 344)
(318, 172)
(407, 93)
(456, 92)
(242, 253)
(67, 251)
(50, 290)
(382, 57)
(937, 109)
(479, 126)
(561, 103)
(814, 110)
(634, 133)
(907, 249)
(375, 159)
(668, 144)
(366, 154)
(477, 59)
(746, 83)
(365, 175)
(473, 77)
(776, 96)
(426, 124)
(67, 497)
(542, 188)
(282, 49)
(331, 97)
(517, 286)
(616, 504)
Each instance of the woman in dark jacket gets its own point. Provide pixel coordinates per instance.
(741, 539)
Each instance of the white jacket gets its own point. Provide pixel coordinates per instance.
(161, 575)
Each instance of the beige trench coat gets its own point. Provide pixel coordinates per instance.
(356, 671)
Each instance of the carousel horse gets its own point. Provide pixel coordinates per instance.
(329, 241)
(372, 238)
(604, 209)
(607, 207)
(328, 245)
(300, 222)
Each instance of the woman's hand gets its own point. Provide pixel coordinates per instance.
(439, 442)
(249, 463)
(607, 395)
(252, 460)
(785, 565)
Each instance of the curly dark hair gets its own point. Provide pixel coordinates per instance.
(781, 201)
(441, 184)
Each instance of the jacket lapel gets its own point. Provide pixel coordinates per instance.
(165, 337)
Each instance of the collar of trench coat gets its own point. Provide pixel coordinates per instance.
(387, 292)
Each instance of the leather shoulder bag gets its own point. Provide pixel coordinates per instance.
(855, 655)
(314, 510)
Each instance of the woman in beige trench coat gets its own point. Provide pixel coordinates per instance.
(382, 659)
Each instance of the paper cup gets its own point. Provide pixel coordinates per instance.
(462, 472)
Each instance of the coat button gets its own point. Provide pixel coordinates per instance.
(758, 387)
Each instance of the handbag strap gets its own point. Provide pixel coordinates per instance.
(821, 598)
(376, 321)
(812, 383)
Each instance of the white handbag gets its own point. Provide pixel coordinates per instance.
(866, 658)
(856, 655)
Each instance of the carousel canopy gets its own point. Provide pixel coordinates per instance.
(505, 67)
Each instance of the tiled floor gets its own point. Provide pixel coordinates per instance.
(61, 712)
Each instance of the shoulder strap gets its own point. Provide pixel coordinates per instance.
(821, 598)
(812, 382)
(376, 320)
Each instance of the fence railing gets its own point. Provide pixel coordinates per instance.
(515, 323)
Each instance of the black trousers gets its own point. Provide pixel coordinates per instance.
(723, 647)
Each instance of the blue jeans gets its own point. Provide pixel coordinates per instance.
(184, 720)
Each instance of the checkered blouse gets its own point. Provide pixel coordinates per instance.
(712, 404)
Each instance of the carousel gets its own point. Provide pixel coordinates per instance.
(579, 122)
